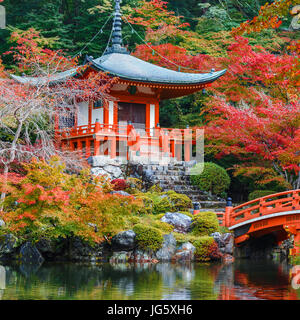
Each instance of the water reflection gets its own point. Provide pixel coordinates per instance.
(244, 280)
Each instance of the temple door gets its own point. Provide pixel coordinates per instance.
(134, 112)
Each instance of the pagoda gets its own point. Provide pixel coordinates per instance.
(127, 125)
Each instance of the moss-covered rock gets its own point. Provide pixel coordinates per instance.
(205, 223)
(148, 238)
(179, 202)
(164, 227)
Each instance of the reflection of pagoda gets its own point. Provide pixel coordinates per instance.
(100, 127)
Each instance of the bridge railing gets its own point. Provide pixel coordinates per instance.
(278, 202)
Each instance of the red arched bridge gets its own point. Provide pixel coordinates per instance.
(277, 213)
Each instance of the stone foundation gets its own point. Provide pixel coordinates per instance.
(174, 175)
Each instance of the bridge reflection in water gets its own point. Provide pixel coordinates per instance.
(242, 280)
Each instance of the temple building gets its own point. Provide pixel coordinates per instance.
(128, 125)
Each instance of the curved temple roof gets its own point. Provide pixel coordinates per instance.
(128, 67)
(117, 61)
(40, 81)
(131, 68)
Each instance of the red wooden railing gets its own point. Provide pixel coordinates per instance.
(264, 206)
(165, 138)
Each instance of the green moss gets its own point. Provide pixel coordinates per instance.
(148, 238)
(161, 202)
(148, 203)
(213, 178)
(164, 227)
(155, 188)
(134, 220)
(203, 246)
(179, 202)
(205, 223)
(182, 238)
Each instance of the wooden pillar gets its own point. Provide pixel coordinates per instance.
(116, 114)
(148, 119)
(187, 140)
(91, 104)
(165, 143)
(79, 146)
(228, 211)
(172, 147)
(96, 141)
(105, 114)
(156, 114)
(113, 147)
(88, 147)
(297, 243)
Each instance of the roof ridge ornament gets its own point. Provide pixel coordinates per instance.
(117, 42)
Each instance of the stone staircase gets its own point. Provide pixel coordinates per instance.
(174, 176)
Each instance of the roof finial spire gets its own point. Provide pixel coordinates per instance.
(117, 43)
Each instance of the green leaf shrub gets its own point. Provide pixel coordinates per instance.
(205, 223)
(161, 202)
(148, 238)
(213, 179)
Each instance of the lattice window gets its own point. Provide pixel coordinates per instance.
(67, 121)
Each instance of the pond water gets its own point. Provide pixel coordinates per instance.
(243, 280)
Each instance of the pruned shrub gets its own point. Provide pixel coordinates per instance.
(205, 248)
(162, 202)
(179, 202)
(119, 184)
(134, 185)
(205, 223)
(163, 226)
(259, 193)
(148, 238)
(213, 179)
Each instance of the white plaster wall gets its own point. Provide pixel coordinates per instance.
(97, 114)
(111, 112)
(83, 113)
(152, 118)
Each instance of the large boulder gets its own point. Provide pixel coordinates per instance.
(81, 251)
(29, 254)
(124, 241)
(185, 252)
(8, 244)
(225, 242)
(181, 222)
(168, 248)
(48, 248)
(142, 256)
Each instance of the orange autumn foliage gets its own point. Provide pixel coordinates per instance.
(50, 203)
